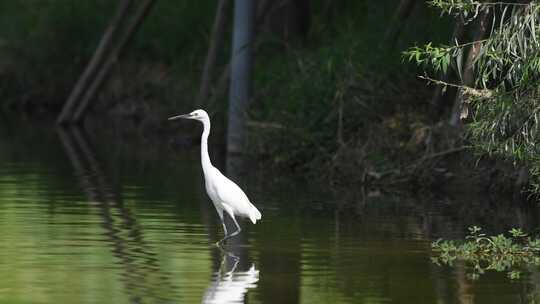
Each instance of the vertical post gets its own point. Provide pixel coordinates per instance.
(241, 67)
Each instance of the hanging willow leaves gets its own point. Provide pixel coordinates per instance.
(504, 117)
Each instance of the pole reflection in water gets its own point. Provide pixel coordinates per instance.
(231, 282)
(141, 274)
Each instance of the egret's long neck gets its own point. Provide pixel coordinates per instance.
(205, 158)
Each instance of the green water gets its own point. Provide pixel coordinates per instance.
(86, 218)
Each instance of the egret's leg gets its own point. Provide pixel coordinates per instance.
(220, 213)
(238, 229)
(224, 228)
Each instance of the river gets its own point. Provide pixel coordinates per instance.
(86, 218)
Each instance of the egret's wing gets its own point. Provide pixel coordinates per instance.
(228, 192)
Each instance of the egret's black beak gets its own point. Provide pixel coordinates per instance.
(185, 116)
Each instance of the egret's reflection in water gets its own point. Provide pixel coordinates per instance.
(230, 284)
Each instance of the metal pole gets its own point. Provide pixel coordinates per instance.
(241, 67)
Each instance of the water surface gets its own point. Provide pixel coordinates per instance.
(103, 219)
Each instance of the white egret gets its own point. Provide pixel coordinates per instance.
(223, 192)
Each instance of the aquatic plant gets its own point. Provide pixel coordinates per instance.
(482, 253)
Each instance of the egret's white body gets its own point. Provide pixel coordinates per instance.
(224, 193)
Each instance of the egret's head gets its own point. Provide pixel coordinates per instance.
(199, 115)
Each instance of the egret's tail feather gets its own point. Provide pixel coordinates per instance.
(254, 215)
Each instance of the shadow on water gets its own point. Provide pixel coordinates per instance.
(140, 269)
